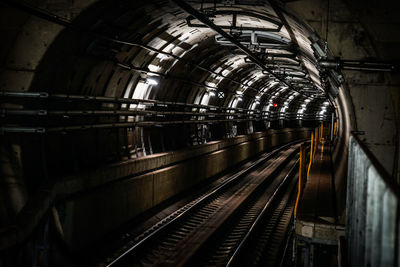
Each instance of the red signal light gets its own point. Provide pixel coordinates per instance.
(275, 105)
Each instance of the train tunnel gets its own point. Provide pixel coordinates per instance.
(113, 110)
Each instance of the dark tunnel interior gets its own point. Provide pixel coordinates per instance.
(97, 93)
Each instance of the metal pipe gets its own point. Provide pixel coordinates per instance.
(38, 12)
(24, 94)
(17, 112)
(119, 112)
(330, 64)
(55, 129)
(17, 129)
(118, 100)
(359, 65)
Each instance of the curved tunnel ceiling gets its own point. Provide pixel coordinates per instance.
(160, 52)
(126, 79)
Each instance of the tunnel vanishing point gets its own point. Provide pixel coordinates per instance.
(113, 110)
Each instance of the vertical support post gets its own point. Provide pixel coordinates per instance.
(234, 20)
(135, 142)
(311, 255)
(301, 175)
(142, 141)
(150, 147)
(126, 141)
(119, 143)
(162, 143)
(335, 128)
(322, 132)
(332, 126)
(311, 153)
(316, 141)
(306, 250)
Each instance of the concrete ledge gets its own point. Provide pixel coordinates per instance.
(113, 172)
(104, 199)
(320, 233)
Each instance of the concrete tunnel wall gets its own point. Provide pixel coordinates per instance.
(38, 57)
(104, 199)
(350, 36)
(26, 53)
(368, 102)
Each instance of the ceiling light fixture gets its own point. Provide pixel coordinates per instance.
(151, 81)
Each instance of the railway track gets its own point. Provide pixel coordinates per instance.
(266, 244)
(219, 227)
(268, 209)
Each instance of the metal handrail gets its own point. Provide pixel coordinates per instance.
(372, 210)
(393, 186)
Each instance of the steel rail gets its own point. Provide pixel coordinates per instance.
(189, 207)
(257, 221)
(289, 236)
(217, 251)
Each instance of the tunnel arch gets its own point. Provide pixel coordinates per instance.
(87, 57)
(117, 70)
(146, 50)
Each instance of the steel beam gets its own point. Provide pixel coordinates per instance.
(204, 19)
(289, 29)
